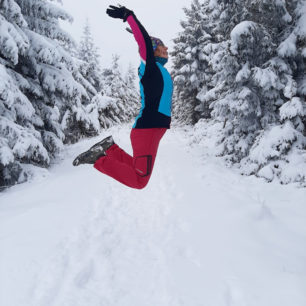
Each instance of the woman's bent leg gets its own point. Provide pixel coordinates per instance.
(117, 153)
(134, 172)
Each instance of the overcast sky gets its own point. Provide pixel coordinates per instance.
(161, 18)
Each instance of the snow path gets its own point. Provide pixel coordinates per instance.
(199, 234)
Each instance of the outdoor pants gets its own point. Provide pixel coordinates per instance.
(133, 171)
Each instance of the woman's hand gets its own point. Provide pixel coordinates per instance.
(120, 12)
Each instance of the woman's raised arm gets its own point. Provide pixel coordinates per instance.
(141, 35)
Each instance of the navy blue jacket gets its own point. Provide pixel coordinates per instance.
(156, 86)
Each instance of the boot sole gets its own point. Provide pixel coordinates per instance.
(77, 160)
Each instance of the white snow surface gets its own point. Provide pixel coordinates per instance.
(198, 234)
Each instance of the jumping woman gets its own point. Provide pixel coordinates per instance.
(154, 117)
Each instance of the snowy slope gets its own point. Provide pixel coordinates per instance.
(199, 234)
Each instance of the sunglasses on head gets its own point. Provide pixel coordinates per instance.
(160, 43)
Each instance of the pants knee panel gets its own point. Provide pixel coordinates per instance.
(143, 165)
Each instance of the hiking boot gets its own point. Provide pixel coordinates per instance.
(95, 152)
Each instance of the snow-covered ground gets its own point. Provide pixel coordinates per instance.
(199, 235)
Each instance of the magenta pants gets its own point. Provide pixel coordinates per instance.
(133, 171)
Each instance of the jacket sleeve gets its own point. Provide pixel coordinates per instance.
(143, 39)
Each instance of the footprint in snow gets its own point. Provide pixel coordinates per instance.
(234, 295)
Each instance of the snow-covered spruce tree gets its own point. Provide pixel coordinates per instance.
(189, 63)
(132, 97)
(236, 98)
(120, 108)
(280, 149)
(252, 79)
(118, 101)
(87, 59)
(227, 97)
(56, 69)
(40, 98)
(19, 140)
(90, 66)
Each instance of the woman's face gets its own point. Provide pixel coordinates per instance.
(161, 51)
